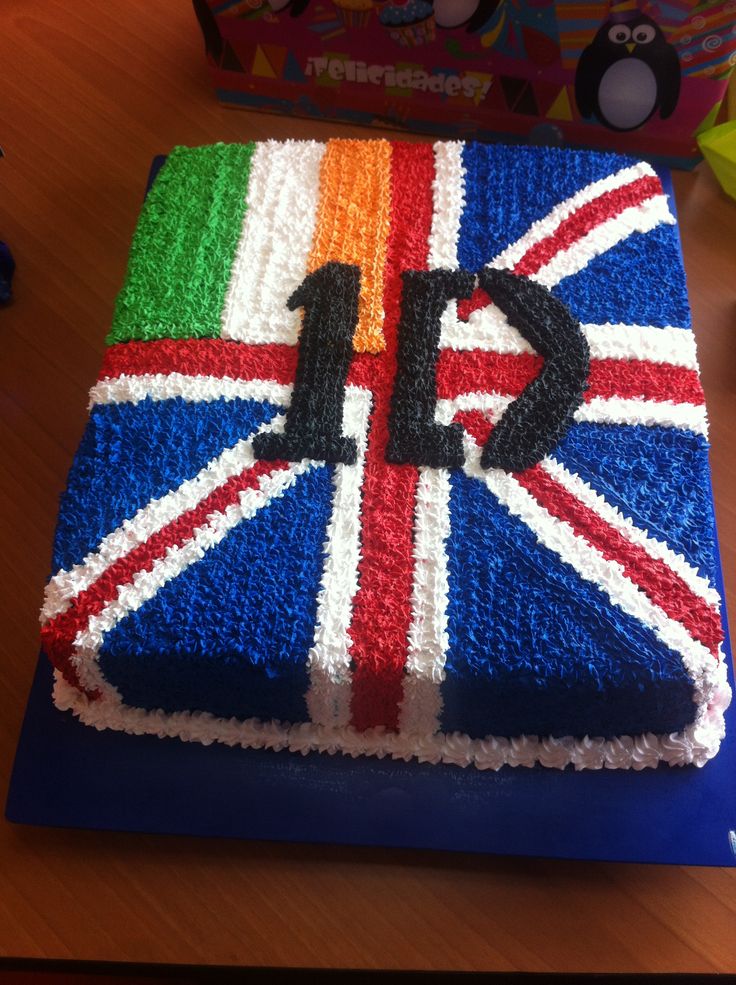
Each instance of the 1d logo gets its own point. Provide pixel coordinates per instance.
(529, 428)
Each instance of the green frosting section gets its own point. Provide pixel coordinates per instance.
(184, 246)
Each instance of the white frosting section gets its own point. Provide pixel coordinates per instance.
(328, 698)
(448, 196)
(636, 219)
(146, 583)
(609, 576)
(428, 631)
(67, 584)
(651, 413)
(625, 525)
(675, 346)
(271, 258)
(696, 744)
(195, 389)
(599, 410)
(546, 227)
(488, 329)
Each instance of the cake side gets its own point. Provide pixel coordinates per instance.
(459, 613)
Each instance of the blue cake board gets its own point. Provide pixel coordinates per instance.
(69, 775)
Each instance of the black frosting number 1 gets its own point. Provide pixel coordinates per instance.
(529, 428)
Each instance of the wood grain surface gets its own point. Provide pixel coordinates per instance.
(89, 92)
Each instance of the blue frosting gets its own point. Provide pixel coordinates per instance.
(509, 188)
(232, 633)
(536, 649)
(657, 476)
(640, 281)
(132, 453)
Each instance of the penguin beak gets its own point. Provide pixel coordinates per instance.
(630, 46)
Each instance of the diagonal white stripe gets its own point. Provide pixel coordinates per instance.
(625, 525)
(65, 585)
(636, 219)
(608, 576)
(328, 697)
(543, 228)
(146, 583)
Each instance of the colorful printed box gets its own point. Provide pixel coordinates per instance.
(642, 76)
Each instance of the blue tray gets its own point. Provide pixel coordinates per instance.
(68, 775)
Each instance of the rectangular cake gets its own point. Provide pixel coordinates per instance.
(397, 450)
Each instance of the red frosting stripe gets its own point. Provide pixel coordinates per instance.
(585, 219)
(201, 357)
(655, 578)
(382, 604)
(464, 372)
(58, 634)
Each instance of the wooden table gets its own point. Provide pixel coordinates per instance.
(90, 92)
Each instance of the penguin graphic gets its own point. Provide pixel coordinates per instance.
(628, 72)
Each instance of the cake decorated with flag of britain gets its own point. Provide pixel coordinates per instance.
(398, 449)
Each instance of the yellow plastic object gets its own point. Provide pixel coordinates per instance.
(719, 149)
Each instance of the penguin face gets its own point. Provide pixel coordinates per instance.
(638, 37)
(627, 73)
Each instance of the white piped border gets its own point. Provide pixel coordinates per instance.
(695, 745)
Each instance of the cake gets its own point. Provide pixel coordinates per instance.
(397, 450)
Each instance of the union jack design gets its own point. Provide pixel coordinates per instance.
(472, 615)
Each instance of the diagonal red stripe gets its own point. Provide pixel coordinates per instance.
(585, 219)
(606, 206)
(382, 605)
(59, 633)
(656, 579)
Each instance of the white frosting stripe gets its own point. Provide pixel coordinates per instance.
(607, 575)
(599, 410)
(427, 638)
(675, 346)
(146, 583)
(196, 389)
(448, 192)
(636, 219)
(271, 259)
(328, 698)
(488, 329)
(65, 585)
(546, 228)
(625, 525)
(650, 413)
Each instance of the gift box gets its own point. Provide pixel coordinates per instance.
(638, 76)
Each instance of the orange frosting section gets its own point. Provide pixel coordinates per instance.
(353, 224)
